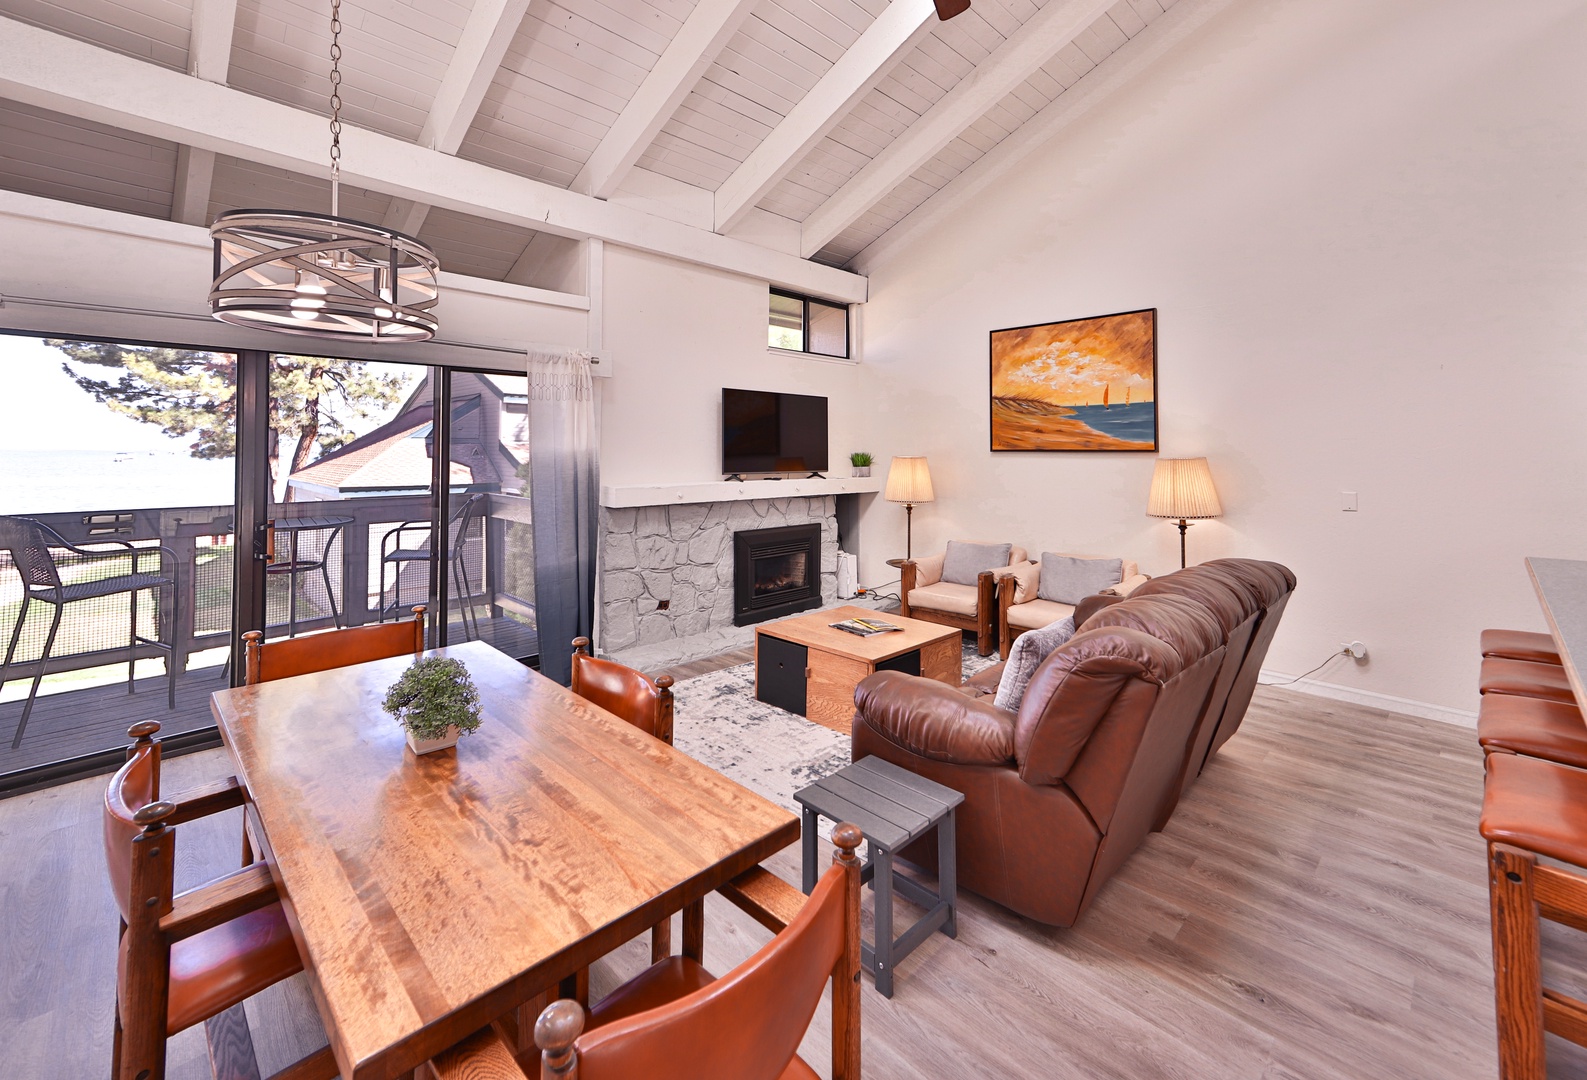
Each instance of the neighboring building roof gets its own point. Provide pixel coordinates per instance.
(392, 457)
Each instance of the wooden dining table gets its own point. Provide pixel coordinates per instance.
(431, 895)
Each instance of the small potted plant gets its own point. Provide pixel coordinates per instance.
(435, 701)
(861, 462)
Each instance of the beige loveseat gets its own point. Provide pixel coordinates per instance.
(924, 595)
(1021, 608)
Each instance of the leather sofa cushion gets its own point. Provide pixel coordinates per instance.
(1179, 621)
(1025, 656)
(1067, 580)
(954, 599)
(1074, 689)
(1037, 613)
(964, 561)
(1230, 604)
(935, 721)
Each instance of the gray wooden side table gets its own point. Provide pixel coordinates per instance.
(891, 806)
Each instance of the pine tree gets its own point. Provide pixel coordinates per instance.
(188, 393)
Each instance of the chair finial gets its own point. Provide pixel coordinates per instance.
(153, 814)
(556, 1029)
(144, 730)
(847, 837)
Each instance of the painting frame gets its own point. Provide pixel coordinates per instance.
(1025, 423)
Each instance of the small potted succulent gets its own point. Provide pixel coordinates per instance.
(435, 701)
(861, 462)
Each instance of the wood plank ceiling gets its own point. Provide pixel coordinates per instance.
(740, 96)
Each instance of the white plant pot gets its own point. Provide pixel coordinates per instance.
(861, 470)
(429, 746)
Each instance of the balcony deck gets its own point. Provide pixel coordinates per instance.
(74, 724)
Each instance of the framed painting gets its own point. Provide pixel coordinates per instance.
(1083, 384)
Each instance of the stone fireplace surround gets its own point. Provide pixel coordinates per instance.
(682, 555)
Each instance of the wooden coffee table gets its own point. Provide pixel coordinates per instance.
(805, 666)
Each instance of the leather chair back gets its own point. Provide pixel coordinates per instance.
(624, 692)
(1237, 608)
(1131, 743)
(265, 661)
(747, 1024)
(1274, 584)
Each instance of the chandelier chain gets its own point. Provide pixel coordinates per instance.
(336, 104)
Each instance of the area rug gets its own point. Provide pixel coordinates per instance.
(772, 752)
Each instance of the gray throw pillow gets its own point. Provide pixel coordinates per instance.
(1025, 656)
(964, 562)
(1067, 580)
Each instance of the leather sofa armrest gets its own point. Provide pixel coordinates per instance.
(934, 721)
(1090, 605)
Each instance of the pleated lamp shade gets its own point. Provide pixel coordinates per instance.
(909, 481)
(1182, 488)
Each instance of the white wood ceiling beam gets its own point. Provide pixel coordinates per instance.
(693, 49)
(208, 58)
(491, 26)
(1049, 30)
(51, 71)
(1094, 88)
(865, 64)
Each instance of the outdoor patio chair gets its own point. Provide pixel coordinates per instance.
(29, 544)
(394, 554)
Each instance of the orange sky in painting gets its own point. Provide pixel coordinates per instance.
(1069, 364)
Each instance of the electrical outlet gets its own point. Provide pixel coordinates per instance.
(1356, 650)
(663, 605)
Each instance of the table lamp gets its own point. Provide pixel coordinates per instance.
(909, 482)
(1182, 488)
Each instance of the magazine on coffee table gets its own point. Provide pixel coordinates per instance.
(865, 627)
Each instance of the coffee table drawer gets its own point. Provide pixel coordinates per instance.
(780, 673)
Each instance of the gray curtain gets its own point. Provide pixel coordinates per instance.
(564, 485)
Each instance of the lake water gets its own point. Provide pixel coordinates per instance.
(61, 481)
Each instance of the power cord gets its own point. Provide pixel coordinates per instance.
(1332, 657)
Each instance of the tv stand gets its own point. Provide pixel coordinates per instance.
(734, 476)
(815, 476)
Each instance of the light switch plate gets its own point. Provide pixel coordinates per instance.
(1347, 501)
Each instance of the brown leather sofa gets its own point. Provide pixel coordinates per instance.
(1115, 725)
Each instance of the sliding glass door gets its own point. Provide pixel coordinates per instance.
(157, 502)
(116, 547)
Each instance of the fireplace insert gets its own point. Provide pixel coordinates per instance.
(776, 572)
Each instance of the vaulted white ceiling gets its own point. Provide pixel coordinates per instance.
(707, 129)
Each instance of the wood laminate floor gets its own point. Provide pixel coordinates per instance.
(1315, 909)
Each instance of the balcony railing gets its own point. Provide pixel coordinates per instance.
(195, 614)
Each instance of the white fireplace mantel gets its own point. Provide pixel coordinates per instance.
(617, 497)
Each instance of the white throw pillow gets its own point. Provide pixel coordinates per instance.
(1067, 580)
(1025, 656)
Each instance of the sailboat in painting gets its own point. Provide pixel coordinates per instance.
(1105, 390)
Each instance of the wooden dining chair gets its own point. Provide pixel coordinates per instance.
(647, 705)
(623, 691)
(264, 661)
(677, 1022)
(195, 956)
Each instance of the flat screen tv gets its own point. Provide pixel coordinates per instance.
(766, 432)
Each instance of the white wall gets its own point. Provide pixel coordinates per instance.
(678, 334)
(1364, 224)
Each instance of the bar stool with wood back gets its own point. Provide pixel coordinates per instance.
(675, 1021)
(195, 956)
(264, 661)
(1526, 645)
(1525, 678)
(1533, 809)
